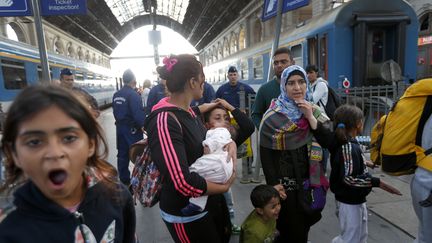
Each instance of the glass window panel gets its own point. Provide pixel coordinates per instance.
(13, 74)
(125, 10)
(244, 72)
(258, 67)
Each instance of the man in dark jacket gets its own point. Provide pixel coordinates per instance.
(67, 80)
(129, 116)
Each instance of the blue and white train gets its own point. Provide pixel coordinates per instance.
(20, 67)
(352, 41)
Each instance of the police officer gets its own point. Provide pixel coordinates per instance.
(156, 93)
(129, 116)
(230, 91)
(208, 95)
(67, 81)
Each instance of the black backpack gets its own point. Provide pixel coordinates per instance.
(333, 101)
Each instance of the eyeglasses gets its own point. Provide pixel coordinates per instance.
(282, 62)
(299, 82)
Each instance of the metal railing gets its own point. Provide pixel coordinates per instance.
(374, 101)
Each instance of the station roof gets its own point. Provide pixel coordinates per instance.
(109, 21)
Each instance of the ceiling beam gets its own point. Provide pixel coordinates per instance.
(105, 29)
(198, 22)
(227, 9)
(89, 33)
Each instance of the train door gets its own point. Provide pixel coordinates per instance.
(376, 40)
(323, 56)
(424, 62)
(317, 53)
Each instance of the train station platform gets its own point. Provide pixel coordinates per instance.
(391, 218)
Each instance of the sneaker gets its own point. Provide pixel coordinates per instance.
(245, 181)
(255, 181)
(235, 229)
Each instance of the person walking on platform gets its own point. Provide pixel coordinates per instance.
(208, 95)
(231, 93)
(145, 92)
(67, 81)
(64, 189)
(286, 140)
(421, 189)
(230, 90)
(270, 90)
(156, 93)
(319, 97)
(350, 180)
(129, 120)
(176, 132)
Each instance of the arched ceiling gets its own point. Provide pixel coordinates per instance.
(102, 28)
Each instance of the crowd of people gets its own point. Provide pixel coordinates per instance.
(65, 190)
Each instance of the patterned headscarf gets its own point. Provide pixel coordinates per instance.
(285, 104)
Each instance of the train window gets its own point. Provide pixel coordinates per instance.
(258, 67)
(425, 22)
(39, 68)
(244, 69)
(98, 77)
(377, 47)
(13, 74)
(296, 52)
(79, 76)
(90, 76)
(221, 75)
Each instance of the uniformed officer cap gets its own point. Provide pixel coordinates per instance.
(128, 76)
(66, 71)
(232, 69)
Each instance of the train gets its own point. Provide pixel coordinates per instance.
(353, 41)
(20, 67)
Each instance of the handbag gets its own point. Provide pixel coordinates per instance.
(312, 196)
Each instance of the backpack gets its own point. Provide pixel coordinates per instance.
(396, 138)
(333, 101)
(146, 179)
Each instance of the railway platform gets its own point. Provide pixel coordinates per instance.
(391, 218)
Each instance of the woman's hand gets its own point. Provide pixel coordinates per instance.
(206, 107)
(231, 148)
(225, 104)
(307, 109)
(281, 191)
(388, 188)
(215, 188)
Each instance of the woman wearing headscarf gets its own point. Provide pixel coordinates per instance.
(286, 145)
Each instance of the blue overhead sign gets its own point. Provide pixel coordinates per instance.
(270, 7)
(63, 7)
(15, 8)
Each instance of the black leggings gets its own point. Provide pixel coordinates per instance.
(201, 230)
(215, 227)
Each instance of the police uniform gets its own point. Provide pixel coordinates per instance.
(156, 94)
(208, 95)
(231, 93)
(129, 115)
